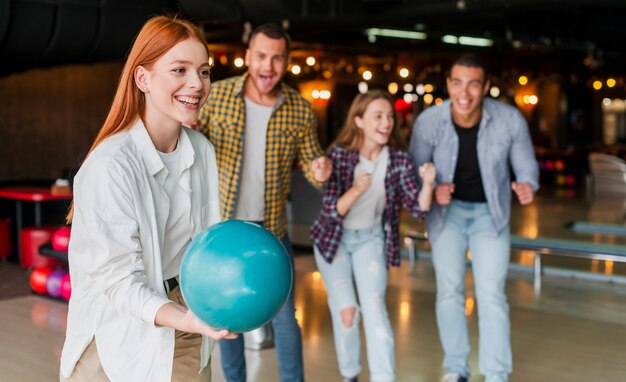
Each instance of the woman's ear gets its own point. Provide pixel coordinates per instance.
(358, 121)
(141, 78)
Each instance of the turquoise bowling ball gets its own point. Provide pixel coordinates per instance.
(236, 275)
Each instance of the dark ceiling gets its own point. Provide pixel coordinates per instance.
(576, 35)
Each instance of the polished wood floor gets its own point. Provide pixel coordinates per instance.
(575, 330)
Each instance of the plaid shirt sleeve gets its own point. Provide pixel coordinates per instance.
(309, 148)
(327, 229)
(409, 186)
(332, 190)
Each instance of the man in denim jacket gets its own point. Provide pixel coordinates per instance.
(474, 142)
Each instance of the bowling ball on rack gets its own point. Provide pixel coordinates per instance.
(236, 275)
(66, 287)
(61, 239)
(38, 279)
(54, 282)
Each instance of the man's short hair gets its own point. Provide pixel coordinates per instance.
(272, 31)
(472, 61)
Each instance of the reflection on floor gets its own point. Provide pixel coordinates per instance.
(574, 331)
(548, 216)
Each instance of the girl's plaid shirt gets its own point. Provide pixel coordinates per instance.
(401, 189)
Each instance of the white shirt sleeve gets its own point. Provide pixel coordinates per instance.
(112, 255)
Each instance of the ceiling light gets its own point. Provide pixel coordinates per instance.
(450, 39)
(393, 88)
(475, 41)
(523, 80)
(363, 87)
(373, 33)
(611, 82)
(597, 85)
(466, 40)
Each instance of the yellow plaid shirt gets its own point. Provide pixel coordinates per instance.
(291, 135)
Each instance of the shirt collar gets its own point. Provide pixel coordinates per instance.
(187, 154)
(146, 148)
(149, 152)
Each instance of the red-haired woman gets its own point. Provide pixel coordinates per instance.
(356, 234)
(147, 187)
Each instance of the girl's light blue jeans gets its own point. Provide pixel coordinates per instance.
(357, 278)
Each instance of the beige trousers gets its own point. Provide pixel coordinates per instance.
(186, 358)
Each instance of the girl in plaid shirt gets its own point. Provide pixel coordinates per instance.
(356, 235)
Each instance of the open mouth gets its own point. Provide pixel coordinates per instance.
(188, 100)
(266, 80)
(464, 103)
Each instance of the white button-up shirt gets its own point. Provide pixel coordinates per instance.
(120, 214)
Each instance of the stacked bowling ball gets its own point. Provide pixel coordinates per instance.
(61, 239)
(51, 282)
(54, 282)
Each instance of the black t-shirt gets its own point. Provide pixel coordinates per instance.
(468, 185)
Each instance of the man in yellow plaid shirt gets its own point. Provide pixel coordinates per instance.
(259, 127)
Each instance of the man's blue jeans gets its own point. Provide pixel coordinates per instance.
(469, 225)
(287, 339)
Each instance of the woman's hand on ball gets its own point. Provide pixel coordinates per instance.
(178, 317)
(198, 326)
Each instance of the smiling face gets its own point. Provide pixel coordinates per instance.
(467, 87)
(266, 59)
(177, 84)
(377, 123)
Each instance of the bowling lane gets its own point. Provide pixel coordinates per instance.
(32, 332)
(575, 331)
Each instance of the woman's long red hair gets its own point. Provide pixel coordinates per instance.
(157, 36)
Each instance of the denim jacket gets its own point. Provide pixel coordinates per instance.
(503, 142)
